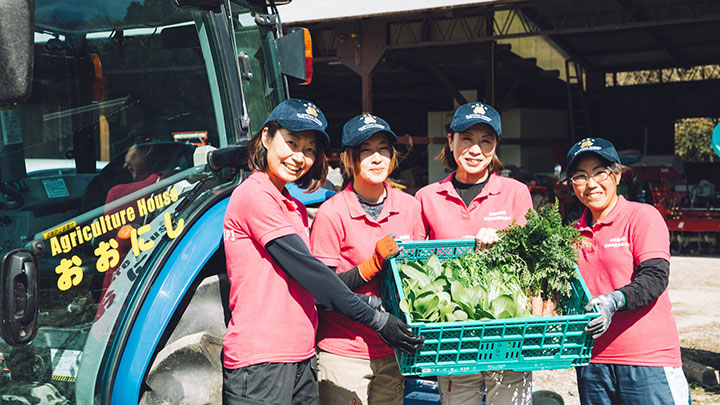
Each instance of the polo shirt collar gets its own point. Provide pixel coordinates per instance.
(390, 206)
(493, 187)
(609, 219)
(284, 196)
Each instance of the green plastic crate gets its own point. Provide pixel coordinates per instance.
(467, 347)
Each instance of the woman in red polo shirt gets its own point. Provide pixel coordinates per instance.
(625, 262)
(475, 201)
(355, 365)
(269, 347)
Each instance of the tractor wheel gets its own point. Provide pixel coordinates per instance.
(693, 249)
(675, 248)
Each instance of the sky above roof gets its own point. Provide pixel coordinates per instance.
(316, 10)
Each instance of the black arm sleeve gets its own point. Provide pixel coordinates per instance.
(352, 278)
(650, 280)
(293, 256)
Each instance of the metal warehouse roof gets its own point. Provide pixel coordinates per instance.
(605, 35)
(613, 35)
(401, 62)
(322, 10)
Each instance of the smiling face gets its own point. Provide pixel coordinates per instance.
(375, 155)
(289, 155)
(473, 150)
(599, 196)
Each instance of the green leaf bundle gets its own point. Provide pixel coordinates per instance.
(536, 259)
(460, 289)
(542, 253)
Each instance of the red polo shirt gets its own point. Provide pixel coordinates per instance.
(630, 234)
(121, 190)
(502, 201)
(344, 236)
(273, 317)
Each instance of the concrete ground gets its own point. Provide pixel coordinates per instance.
(695, 296)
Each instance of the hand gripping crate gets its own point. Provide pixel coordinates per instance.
(467, 347)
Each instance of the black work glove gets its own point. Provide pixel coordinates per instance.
(395, 333)
(373, 301)
(608, 305)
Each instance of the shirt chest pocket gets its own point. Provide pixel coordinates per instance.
(359, 245)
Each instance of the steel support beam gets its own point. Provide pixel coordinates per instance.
(490, 73)
(360, 47)
(525, 19)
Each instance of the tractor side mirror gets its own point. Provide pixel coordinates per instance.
(230, 156)
(16, 49)
(18, 297)
(295, 54)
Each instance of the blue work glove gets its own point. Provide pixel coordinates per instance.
(374, 301)
(608, 305)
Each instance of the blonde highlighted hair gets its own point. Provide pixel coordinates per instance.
(350, 165)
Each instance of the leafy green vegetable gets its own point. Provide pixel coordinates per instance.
(542, 253)
(440, 292)
(537, 259)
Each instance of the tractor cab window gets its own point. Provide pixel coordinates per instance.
(99, 165)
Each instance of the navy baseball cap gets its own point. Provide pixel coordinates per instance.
(599, 146)
(470, 114)
(299, 115)
(358, 129)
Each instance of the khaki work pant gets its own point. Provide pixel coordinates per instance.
(349, 381)
(504, 387)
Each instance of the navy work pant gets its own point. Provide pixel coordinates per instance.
(637, 385)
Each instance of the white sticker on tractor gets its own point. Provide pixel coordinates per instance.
(55, 188)
(65, 364)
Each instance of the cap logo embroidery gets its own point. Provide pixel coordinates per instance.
(368, 119)
(587, 144)
(311, 114)
(371, 125)
(478, 112)
(479, 109)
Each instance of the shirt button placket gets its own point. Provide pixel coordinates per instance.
(466, 210)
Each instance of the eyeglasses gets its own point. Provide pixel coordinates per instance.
(598, 176)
